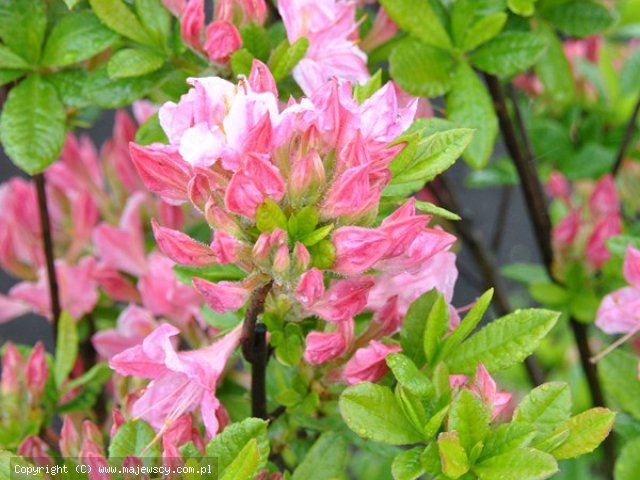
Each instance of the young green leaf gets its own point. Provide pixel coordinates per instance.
(241, 62)
(469, 417)
(255, 39)
(408, 374)
(478, 114)
(116, 15)
(155, 19)
(421, 69)
(437, 326)
(151, 131)
(520, 464)
(286, 56)
(509, 53)
(452, 456)
(8, 59)
(586, 430)
(245, 465)
(22, 27)
(228, 445)
(431, 209)
(363, 91)
(76, 37)
(483, 30)
(327, 458)
(32, 125)
(508, 437)
(133, 62)
(467, 325)
(323, 253)
(407, 465)
(628, 462)
(133, 438)
(618, 372)
(304, 222)
(91, 383)
(418, 18)
(213, 273)
(504, 342)
(66, 348)
(270, 216)
(372, 411)
(545, 407)
(524, 8)
(414, 325)
(579, 18)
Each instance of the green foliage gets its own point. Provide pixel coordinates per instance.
(420, 20)
(213, 273)
(286, 56)
(133, 438)
(545, 407)
(413, 327)
(327, 458)
(452, 455)
(118, 17)
(579, 18)
(618, 372)
(32, 125)
(504, 342)
(509, 53)
(270, 216)
(585, 432)
(229, 446)
(133, 62)
(90, 383)
(66, 347)
(628, 463)
(22, 27)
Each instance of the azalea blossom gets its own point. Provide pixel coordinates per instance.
(485, 388)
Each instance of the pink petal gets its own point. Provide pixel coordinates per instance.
(162, 170)
(358, 249)
(181, 248)
(222, 296)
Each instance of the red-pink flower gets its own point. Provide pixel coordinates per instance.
(368, 364)
(485, 388)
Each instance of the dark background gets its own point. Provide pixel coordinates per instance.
(481, 206)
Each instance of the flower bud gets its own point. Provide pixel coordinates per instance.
(12, 366)
(301, 259)
(306, 177)
(36, 371)
(69, 438)
(281, 261)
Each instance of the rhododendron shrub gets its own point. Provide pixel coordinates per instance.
(256, 275)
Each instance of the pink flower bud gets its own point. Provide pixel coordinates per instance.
(241, 12)
(358, 249)
(301, 259)
(565, 232)
(12, 369)
(34, 449)
(192, 23)
(181, 248)
(306, 177)
(36, 371)
(227, 248)
(368, 364)
(596, 251)
(604, 198)
(69, 438)
(322, 347)
(631, 267)
(281, 260)
(261, 80)
(351, 195)
(310, 288)
(223, 38)
(558, 186)
(218, 219)
(223, 296)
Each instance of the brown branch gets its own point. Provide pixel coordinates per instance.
(485, 260)
(626, 139)
(255, 351)
(47, 242)
(534, 195)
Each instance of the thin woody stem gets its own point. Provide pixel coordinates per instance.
(524, 161)
(47, 242)
(626, 139)
(255, 351)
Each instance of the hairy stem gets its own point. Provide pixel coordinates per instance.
(626, 139)
(485, 260)
(255, 351)
(47, 242)
(524, 161)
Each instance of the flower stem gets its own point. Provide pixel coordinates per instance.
(524, 161)
(47, 242)
(255, 351)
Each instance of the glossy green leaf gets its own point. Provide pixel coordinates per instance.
(155, 19)
(477, 114)
(553, 70)
(431, 209)
(11, 60)
(133, 62)
(504, 342)
(407, 465)
(133, 438)
(372, 411)
(228, 445)
(469, 417)
(241, 62)
(418, 18)
(520, 464)
(507, 437)
(437, 326)
(452, 455)
(509, 53)
(580, 18)
(414, 324)
(483, 30)
(66, 347)
(586, 430)
(524, 8)
(245, 465)
(327, 458)
(22, 27)
(118, 17)
(270, 216)
(213, 273)
(32, 125)
(103, 91)
(618, 373)
(545, 407)
(286, 56)
(408, 374)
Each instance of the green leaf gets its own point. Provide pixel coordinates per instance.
(407, 465)
(133, 62)
(103, 91)
(452, 455)
(66, 348)
(326, 459)
(213, 273)
(241, 62)
(554, 71)
(524, 8)
(286, 56)
(580, 18)
(363, 91)
(323, 254)
(421, 69)
(483, 30)
(478, 114)
(245, 465)
(8, 59)
(618, 372)
(303, 222)
(316, 236)
(133, 438)
(255, 39)
(549, 293)
(467, 325)
(437, 326)
(8, 462)
(156, 20)
(431, 209)
(508, 437)
(9, 75)
(504, 342)
(630, 74)
(372, 411)
(92, 383)
(586, 430)
(498, 172)
(270, 216)
(22, 27)
(32, 125)
(520, 464)
(71, 3)
(414, 325)
(545, 407)
(509, 53)
(408, 374)
(76, 37)
(433, 155)
(289, 350)
(418, 18)
(228, 445)
(628, 462)
(525, 273)
(116, 15)
(469, 417)
(151, 131)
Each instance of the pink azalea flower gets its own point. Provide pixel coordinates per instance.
(558, 186)
(181, 382)
(485, 388)
(241, 12)
(368, 364)
(223, 38)
(564, 233)
(132, 326)
(604, 199)
(358, 249)
(324, 346)
(596, 251)
(382, 30)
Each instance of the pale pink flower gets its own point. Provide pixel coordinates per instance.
(241, 12)
(181, 382)
(224, 296)
(132, 326)
(368, 364)
(485, 388)
(181, 248)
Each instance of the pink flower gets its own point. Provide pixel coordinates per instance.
(485, 388)
(343, 300)
(224, 296)
(558, 186)
(358, 249)
(604, 198)
(331, 28)
(132, 326)
(36, 372)
(368, 364)
(241, 12)
(383, 30)
(596, 251)
(181, 382)
(181, 248)
(223, 38)
(324, 346)
(12, 369)
(565, 232)
(192, 23)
